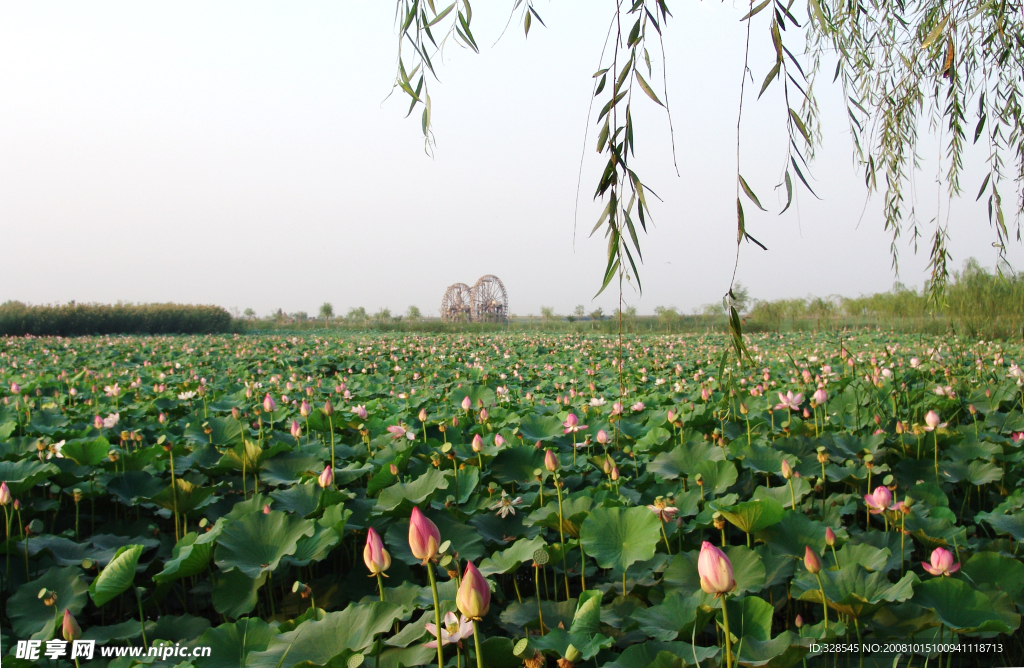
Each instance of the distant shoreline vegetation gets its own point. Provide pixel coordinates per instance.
(73, 319)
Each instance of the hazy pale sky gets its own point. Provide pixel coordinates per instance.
(246, 154)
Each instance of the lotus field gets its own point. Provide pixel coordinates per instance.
(514, 500)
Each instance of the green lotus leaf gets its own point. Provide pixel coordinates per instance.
(224, 431)
(250, 456)
(86, 452)
(120, 632)
(540, 427)
(117, 576)
(419, 655)
(781, 494)
(412, 493)
(177, 628)
(521, 552)
(750, 617)
(476, 393)
(303, 499)
(497, 653)
(29, 615)
(131, 486)
(618, 537)
(575, 509)
(674, 617)
(49, 422)
(992, 571)
(902, 620)
(315, 547)
(964, 609)
(794, 532)
(1005, 524)
(518, 616)
(867, 556)
(183, 496)
(333, 638)
(256, 542)
(718, 476)
(751, 516)
(785, 649)
(587, 619)
(517, 463)
(23, 475)
(288, 467)
(234, 592)
(558, 640)
(187, 559)
(683, 460)
(854, 591)
(660, 655)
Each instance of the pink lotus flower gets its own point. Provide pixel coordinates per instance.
(466, 403)
(637, 407)
(665, 513)
(304, 408)
(296, 429)
(424, 538)
(360, 411)
(268, 403)
(820, 396)
(478, 443)
(572, 424)
(671, 417)
(715, 570)
(423, 415)
(830, 536)
(474, 596)
(111, 420)
(878, 501)
(704, 394)
(483, 415)
(550, 461)
(97, 422)
(70, 628)
(941, 562)
(5, 494)
(787, 470)
(453, 630)
(602, 437)
(812, 562)
(326, 478)
(498, 441)
(397, 431)
(617, 408)
(932, 421)
(328, 408)
(375, 557)
(266, 508)
(789, 401)
(15, 388)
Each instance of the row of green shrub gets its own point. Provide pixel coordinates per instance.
(17, 319)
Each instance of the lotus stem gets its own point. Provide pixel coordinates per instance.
(935, 440)
(824, 599)
(330, 423)
(142, 620)
(437, 615)
(725, 627)
(792, 494)
(174, 496)
(7, 538)
(583, 569)
(663, 535)
(536, 589)
(561, 535)
(476, 641)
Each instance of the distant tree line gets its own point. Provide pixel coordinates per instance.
(73, 319)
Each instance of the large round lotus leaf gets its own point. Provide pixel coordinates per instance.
(234, 593)
(230, 644)
(653, 653)
(85, 451)
(255, 543)
(558, 640)
(796, 531)
(618, 537)
(412, 493)
(574, 510)
(21, 476)
(31, 617)
(674, 617)
(183, 496)
(516, 464)
(854, 591)
(521, 552)
(223, 431)
(747, 568)
(751, 516)
(131, 486)
(717, 476)
(964, 609)
(335, 636)
(475, 393)
(995, 571)
(683, 460)
(117, 576)
(187, 559)
(540, 427)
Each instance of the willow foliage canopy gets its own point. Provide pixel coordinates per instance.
(950, 70)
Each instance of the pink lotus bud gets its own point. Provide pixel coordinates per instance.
(607, 465)
(466, 403)
(474, 597)
(715, 570)
(830, 537)
(879, 500)
(787, 470)
(671, 415)
(704, 394)
(5, 494)
(328, 408)
(478, 443)
(932, 419)
(550, 461)
(296, 429)
(268, 403)
(799, 621)
(617, 408)
(820, 396)
(455, 422)
(812, 562)
(17, 504)
(326, 478)
(304, 408)
(266, 509)
(602, 437)
(235, 413)
(498, 441)
(424, 538)
(162, 418)
(941, 562)
(97, 422)
(15, 388)
(375, 557)
(483, 414)
(807, 414)
(614, 475)
(393, 469)
(70, 628)
(571, 420)
(423, 415)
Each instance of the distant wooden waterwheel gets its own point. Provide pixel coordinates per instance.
(457, 305)
(489, 299)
